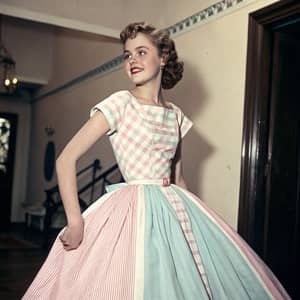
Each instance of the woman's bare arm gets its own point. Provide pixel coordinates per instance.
(91, 131)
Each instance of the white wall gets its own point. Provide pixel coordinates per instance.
(31, 46)
(21, 155)
(75, 53)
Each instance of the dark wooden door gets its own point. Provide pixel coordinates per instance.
(8, 128)
(269, 189)
(281, 249)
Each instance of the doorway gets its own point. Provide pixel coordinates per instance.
(269, 209)
(8, 131)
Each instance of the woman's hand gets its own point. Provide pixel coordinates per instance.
(72, 235)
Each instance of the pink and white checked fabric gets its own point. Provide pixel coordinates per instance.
(185, 224)
(144, 137)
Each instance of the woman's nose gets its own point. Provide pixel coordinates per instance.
(132, 60)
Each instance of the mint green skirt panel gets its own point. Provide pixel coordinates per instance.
(170, 269)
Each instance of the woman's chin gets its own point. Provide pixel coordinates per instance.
(138, 82)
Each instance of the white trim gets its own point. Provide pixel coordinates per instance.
(192, 197)
(97, 204)
(27, 14)
(34, 80)
(139, 250)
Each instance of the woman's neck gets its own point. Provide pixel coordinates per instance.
(149, 94)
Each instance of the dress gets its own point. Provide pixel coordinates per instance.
(147, 239)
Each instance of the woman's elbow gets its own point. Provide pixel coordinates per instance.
(63, 161)
(59, 164)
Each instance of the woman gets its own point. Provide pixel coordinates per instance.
(148, 238)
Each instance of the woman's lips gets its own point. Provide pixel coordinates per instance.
(135, 70)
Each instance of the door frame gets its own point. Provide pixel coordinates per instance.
(254, 159)
(13, 118)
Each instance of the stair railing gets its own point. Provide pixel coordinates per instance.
(53, 200)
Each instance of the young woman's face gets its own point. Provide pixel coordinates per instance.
(141, 60)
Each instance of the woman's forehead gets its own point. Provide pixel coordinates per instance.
(141, 40)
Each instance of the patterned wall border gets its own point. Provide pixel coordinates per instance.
(206, 15)
(103, 69)
(198, 19)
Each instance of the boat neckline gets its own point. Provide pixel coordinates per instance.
(151, 105)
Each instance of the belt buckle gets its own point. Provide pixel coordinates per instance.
(166, 182)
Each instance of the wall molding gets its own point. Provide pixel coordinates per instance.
(192, 22)
(206, 15)
(103, 69)
(26, 14)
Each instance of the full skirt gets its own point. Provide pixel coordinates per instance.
(150, 242)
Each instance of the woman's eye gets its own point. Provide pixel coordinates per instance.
(142, 52)
(126, 56)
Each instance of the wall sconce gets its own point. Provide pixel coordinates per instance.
(49, 130)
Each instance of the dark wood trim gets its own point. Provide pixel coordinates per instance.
(256, 117)
(6, 184)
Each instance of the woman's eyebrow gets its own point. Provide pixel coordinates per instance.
(137, 48)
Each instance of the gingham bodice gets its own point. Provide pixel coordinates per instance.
(144, 137)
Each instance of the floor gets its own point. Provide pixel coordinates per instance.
(19, 266)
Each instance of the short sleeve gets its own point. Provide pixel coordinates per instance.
(185, 124)
(113, 109)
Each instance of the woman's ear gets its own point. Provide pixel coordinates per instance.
(162, 64)
(164, 58)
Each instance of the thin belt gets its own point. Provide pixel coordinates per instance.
(162, 181)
